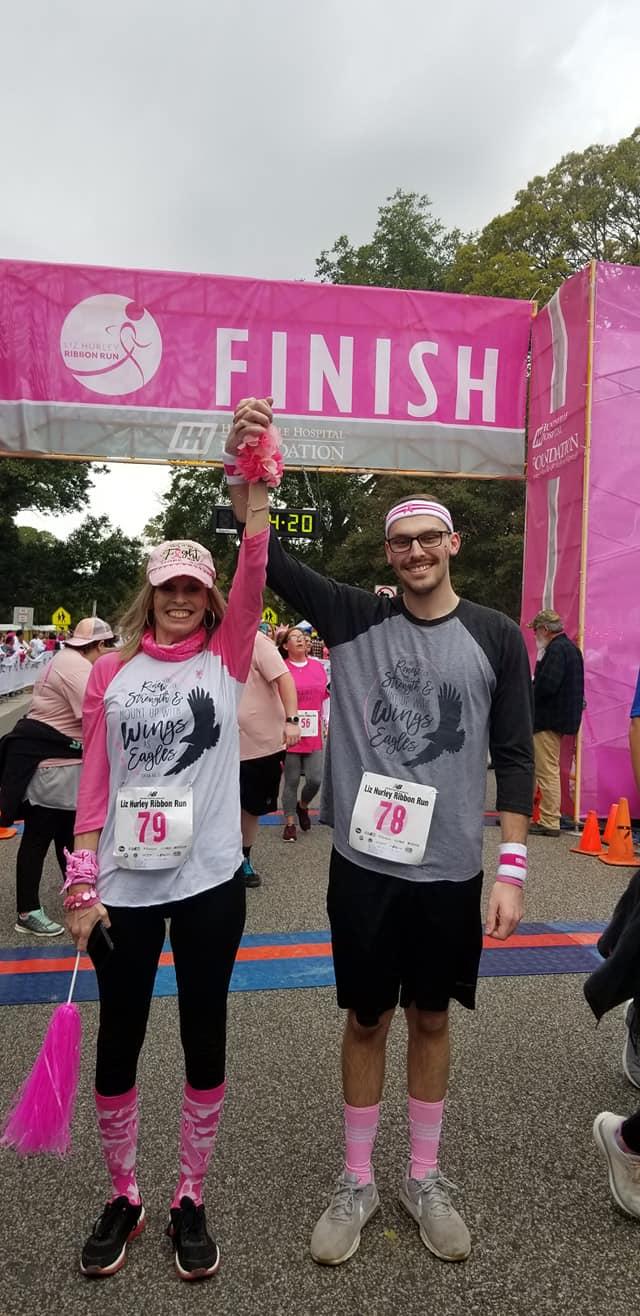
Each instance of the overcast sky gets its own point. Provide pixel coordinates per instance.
(242, 138)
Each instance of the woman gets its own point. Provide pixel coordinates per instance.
(158, 837)
(305, 758)
(41, 768)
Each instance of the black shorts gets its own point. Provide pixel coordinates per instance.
(260, 783)
(395, 940)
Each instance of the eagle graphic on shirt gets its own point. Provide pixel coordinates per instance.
(448, 737)
(205, 733)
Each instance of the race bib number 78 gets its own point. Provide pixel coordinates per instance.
(391, 818)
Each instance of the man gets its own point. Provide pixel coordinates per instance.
(268, 720)
(558, 698)
(422, 685)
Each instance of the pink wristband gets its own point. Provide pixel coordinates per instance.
(510, 881)
(84, 900)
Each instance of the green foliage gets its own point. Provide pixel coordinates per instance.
(37, 570)
(409, 249)
(587, 207)
(44, 486)
(101, 563)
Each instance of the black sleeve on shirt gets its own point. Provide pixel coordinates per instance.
(511, 727)
(338, 612)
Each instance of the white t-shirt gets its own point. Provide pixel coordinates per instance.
(171, 726)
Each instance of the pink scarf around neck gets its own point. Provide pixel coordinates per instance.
(175, 653)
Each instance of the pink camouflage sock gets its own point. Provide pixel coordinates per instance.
(425, 1124)
(201, 1110)
(360, 1128)
(118, 1124)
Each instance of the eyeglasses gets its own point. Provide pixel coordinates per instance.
(428, 539)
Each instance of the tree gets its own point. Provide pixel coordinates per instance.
(27, 560)
(587, 207)
(43, 486)
(96, 563)
(99, 563)
(410, 248)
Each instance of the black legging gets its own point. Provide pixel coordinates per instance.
(205, 932)
(41, 827)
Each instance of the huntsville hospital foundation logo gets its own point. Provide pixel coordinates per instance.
(110, 344)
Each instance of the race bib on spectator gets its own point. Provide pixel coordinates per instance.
(391, 818)
(153, 828)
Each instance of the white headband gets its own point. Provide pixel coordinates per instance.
(417, 507)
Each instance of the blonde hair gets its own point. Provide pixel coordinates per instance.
(135, 620)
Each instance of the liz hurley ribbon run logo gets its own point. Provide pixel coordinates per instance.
(110, 344)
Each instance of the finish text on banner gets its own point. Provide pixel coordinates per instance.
(124, 364)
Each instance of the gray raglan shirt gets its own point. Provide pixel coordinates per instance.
(422, 701)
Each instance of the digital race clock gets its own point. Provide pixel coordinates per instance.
(290, 524)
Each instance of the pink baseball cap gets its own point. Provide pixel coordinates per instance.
(180, 557)
(89, 631)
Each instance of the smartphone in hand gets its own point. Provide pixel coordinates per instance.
(99, 945)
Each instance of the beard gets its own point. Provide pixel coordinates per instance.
(421, 583)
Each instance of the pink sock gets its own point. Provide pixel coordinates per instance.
(118, 1124)
(201, 1110)
(360, 1128)
(425, 1123)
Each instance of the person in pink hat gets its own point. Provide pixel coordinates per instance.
(40, 769)
(158, 838)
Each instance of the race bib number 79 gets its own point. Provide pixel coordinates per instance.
(391, 818)
(153, 828)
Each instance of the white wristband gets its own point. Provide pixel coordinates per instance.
(231, 472)
(512, 864)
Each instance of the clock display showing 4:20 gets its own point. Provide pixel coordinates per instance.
(292, 524)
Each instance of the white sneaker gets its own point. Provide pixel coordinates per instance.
(624, 1167)
(337, 1234)
(442, 1229)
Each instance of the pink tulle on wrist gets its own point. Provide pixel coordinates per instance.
(81, 867)
(259, 458)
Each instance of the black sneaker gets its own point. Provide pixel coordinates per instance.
(105, 1250)
(303, 818)
(197, 1255)
(251, 878)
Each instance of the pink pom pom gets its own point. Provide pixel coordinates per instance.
(259, 457)
(40, 1120)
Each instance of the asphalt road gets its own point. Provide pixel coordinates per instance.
(530, 1071)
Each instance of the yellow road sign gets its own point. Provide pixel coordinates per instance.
(270, 615)
(61, 619)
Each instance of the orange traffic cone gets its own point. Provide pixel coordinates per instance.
(621, 851)
(610, 825)
(535, 816)
(6, 833)
(590, 840)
